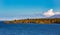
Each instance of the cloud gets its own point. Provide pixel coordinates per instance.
(50, 13)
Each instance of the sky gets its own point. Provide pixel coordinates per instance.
(16, 8)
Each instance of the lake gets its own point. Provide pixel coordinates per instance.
(29, 29)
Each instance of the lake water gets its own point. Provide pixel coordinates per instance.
(29, 29)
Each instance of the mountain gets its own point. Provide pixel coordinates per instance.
(55, 16)
(33, 16)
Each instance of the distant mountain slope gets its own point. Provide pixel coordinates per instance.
(55, 16)
(33, 16)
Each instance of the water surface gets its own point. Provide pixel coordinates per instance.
(29, 29)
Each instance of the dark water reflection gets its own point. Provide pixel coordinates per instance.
(29, 29)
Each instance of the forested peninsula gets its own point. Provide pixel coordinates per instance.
(37, 21)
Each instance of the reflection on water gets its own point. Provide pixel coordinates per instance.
(29, 29)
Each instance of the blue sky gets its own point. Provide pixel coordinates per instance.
(11, 8)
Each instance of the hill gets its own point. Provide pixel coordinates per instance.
(55, 16)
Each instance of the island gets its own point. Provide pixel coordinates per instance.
(37, 21)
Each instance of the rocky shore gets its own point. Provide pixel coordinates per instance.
(38, 21)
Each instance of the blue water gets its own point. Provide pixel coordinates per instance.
(29, 29)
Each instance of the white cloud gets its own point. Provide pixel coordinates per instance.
(50, 13)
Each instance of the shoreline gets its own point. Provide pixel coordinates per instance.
(38, 21)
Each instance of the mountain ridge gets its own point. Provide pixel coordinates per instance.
(55, 16)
